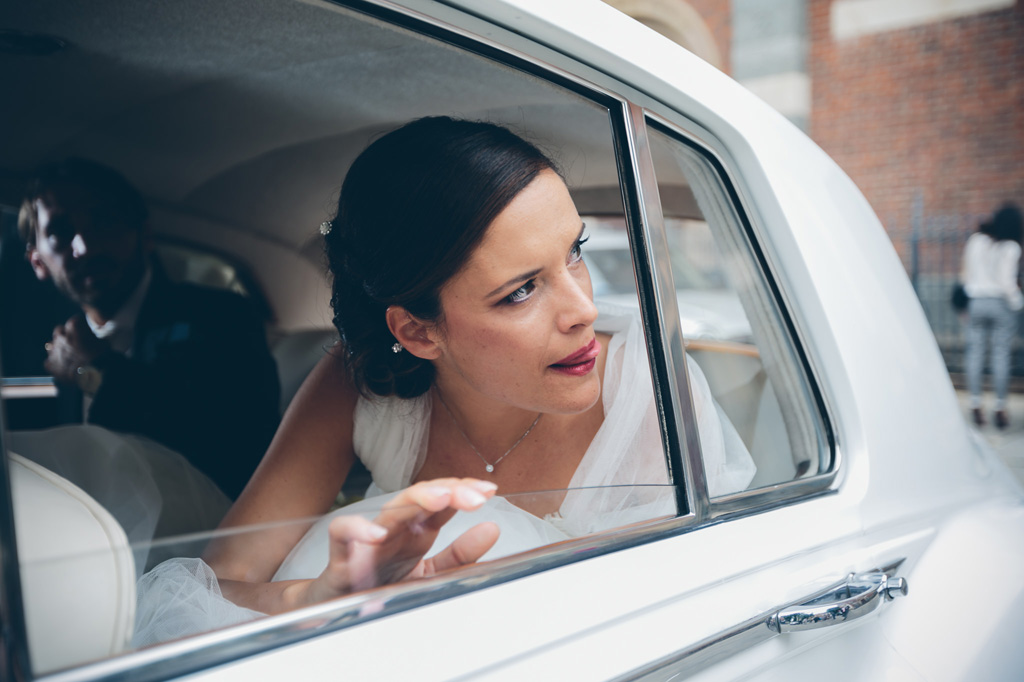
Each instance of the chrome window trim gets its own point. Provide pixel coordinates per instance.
(647, 239)
(204, 651)
(762, 499)
(210, 649)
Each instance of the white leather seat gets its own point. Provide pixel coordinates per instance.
(296, 354)
(740, 385)
(77, 570)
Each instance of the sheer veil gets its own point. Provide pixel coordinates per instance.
(622, 478)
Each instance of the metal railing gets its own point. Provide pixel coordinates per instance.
(931, 248)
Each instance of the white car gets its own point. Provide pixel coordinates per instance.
(879, 539)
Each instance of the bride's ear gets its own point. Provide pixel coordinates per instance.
(415, 335)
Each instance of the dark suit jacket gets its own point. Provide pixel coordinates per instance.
(201, 381)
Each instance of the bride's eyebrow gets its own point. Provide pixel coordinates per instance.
(515, 280)
(532, 273)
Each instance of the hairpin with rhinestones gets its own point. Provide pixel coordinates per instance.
(325, 227)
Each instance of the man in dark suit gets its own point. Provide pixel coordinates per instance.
(184, 365)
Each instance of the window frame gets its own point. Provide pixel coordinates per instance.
(630, 114)
(716, 155)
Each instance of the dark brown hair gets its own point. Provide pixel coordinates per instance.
(106, 186)
(1005, 224)
(412, 208)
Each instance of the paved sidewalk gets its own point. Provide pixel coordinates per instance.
(1009, 443)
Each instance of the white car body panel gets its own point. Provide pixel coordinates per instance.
(601, 619)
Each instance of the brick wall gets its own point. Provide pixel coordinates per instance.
(936, 109)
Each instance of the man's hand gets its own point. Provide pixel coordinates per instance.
(73, 346)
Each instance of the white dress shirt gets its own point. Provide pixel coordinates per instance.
(119, 330)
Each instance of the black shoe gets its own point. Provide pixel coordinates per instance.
(1002, 421)
(979, 418)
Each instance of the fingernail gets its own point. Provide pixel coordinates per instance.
(473, 498)
(484, 486)
(437, 491)
(377, 532)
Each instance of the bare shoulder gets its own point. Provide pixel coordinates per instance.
(299, 477)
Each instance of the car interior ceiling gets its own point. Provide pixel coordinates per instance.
(190, 103)
(238, 131)
(197, 89)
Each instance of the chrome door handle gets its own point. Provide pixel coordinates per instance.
(855, 597)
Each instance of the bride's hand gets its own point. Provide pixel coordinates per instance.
(365, 554)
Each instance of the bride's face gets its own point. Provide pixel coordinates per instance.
(518, 317)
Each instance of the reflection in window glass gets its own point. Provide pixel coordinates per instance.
(708, 308)
(348, 81)
(86, 596)
(730, 323)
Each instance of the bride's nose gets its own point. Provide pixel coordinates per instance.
(576, 303)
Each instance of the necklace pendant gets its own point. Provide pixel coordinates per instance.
(488, 467)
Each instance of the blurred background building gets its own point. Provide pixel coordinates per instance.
(920, 101)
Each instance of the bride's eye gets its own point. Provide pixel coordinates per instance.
(522, 293)
(576, 254)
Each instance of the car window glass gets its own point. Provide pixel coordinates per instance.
(731, 324)
(93, 586)
(131, 502)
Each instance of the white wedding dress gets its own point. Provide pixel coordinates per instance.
(622, 478)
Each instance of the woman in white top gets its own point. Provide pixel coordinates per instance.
(472, 359)
(990, 270)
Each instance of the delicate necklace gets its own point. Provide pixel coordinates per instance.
(488, 466)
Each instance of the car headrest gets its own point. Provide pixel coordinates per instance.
(296, 353)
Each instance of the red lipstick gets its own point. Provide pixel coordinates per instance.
(581, 362)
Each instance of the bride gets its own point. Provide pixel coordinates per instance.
(472, 359)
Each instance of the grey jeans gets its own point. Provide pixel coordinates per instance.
(989, 318)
